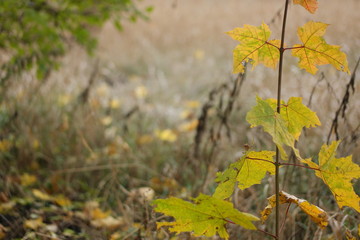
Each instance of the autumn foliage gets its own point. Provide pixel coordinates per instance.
(209, 215)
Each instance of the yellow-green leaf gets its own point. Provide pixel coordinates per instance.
(255, 46)
(337, 173)
(33, 224)
(42, 195)
(206, 216)
(310, 5)
(27, 179)
(263, 114)
(317, 215)
(349, 236)
(296, 115)
(315, 51)
(250, 169)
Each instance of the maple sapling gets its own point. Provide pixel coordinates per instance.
(284, 121)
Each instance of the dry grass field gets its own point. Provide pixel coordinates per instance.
(103, 129)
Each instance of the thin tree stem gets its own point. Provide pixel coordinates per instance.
(277, 165)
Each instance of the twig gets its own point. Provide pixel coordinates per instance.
(267, 233)
(343, 106)
(322, 76)
(102, 167)
(287, 212)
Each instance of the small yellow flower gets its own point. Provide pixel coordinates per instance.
(102, 90)
(106, 121)
(166, 135)
(192, 104)
(199, 54)
(115, 103)
(64, 100)
(144, 139)
(189, 126)
(141, 92)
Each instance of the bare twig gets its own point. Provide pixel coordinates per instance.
(340, 112)
(322, 77)
(84, 96)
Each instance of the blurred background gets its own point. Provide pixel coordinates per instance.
(153, 110)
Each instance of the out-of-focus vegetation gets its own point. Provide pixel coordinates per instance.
(37, 32)
(156, 113)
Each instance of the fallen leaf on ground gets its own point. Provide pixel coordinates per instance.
(27, 179)
(41, 195)
(33, 224)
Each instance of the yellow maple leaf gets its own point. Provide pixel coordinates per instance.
(247, 171)
(317, 215)
(315, 51)
(206, 216)
(296, 115)
(255, 46)
(264, 114)
(337, 174)
(310, 5)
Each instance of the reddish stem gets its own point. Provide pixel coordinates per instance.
(298, 165)
(267, 233)
(273, 45)
(259, 159)
(229, 221)
(289, 48)
(287, 211)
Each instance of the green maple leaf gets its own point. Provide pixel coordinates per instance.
(263, 114)
(337, 174)
(207, 216)
(315, 51)
(255, 46)
(296, 115)
(250, 169)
